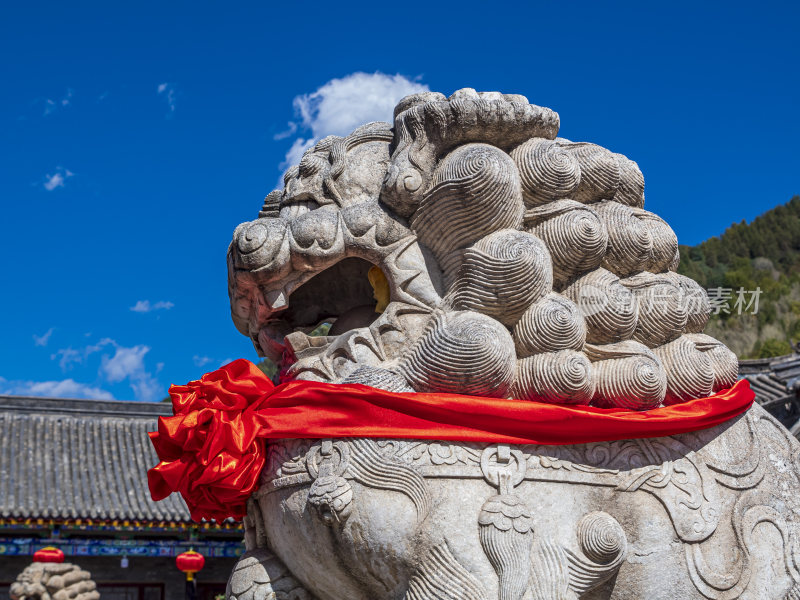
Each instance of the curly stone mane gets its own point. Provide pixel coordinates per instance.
(518, 264)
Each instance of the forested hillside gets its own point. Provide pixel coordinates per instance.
(765, 255)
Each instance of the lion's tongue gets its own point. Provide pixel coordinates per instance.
(287, 360)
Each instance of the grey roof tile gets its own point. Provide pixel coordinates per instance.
(80, 459)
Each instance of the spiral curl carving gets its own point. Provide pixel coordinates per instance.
(376, 377)
(547, 171)
(502, 274)
(600, 172)
(551, 324)
(695, 299)
(631, 183)
(724, 363)
(261, 243)
(601, 537)
(574, 235)
(662, 311)
(462, 352)
(627, 375)
(475, 191)
(608, 308)
(563, 377)
(665, 255)
(630, 245)
(690, 373)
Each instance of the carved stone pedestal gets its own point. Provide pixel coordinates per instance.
(705, 515)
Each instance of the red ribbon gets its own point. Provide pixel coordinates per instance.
(214, 448)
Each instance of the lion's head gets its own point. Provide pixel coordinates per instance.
(468, 249)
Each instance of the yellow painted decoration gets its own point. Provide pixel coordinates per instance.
(380, 288)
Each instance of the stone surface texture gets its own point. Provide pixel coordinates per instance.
(519, 264)
(54, 581)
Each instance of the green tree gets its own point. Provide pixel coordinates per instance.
(774, 347)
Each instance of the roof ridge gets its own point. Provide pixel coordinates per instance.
(73, 406)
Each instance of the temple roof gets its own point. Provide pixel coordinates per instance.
(772, 379)
(80, 459)
(776, 383)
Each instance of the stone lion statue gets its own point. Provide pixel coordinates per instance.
(468, 249)
(54, 581)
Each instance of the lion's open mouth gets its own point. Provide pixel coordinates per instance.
(339, 296)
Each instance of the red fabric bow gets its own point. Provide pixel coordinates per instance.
(214, 448)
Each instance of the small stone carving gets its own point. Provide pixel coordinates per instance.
(506, 536)
(504, 523)
(330, 494)
(601, 538)
(54, 581)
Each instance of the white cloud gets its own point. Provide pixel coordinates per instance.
(125, 363)
(68, 357)
(128, 363)
(291, 128)
(41, 340)
(343, 104)
(144, 306)
(66, 388)
(147, 389)
(168, 91)
(201, 361)
(57, 179)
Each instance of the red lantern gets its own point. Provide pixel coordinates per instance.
(50, 554)
(190, 563)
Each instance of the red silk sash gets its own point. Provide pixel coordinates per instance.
(214, 448)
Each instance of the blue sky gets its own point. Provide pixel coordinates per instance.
(135, 137)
